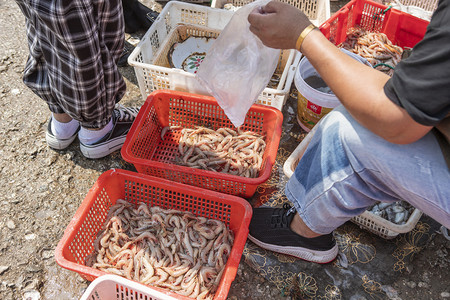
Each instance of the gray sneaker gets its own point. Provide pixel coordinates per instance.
(54, 142)
(122, 118)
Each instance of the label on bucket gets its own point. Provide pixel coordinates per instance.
(317, 109)
(309, 113)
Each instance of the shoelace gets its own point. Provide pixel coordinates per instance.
(280, 218)
(126, 113)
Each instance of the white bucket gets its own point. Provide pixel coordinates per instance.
(313, 104)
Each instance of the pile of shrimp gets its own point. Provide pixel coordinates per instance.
(223, 150)
(375, 47)
(166, 248)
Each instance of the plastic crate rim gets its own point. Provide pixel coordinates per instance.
(137, 287)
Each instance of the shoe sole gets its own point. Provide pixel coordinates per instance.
(102, 150)
(317, 256)
(58, 144)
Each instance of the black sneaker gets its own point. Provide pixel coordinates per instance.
(123, 59)
(123, 118)
(54, 142)
(152, 16)
(269, 229)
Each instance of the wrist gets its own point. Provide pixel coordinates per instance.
(302, 36)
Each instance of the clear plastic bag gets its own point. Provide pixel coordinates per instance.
(238, 66)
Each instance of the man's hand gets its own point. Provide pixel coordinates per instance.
(278, 24)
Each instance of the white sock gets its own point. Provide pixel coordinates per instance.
(63, 130)
(89, 137)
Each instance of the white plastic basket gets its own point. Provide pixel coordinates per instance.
(152, 76)
(318, 11)
(366, 220)
(111, 287)
(420, 8)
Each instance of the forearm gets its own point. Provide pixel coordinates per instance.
(360, 90)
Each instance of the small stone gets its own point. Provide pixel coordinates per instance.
(43, 214)
(115, 165)
(15, 92)
(32, 295)
(31, 236)
(50, 160)
(445, 295)
(66, 178)
(10, 224)
(426, 277)
(3, 269)
(19, 281)
(69, 155)
(46, 254)
(422, 284)
(33, 269)
(43, 188)
(409, 269)
(15, 201)
(390, 292)
(33, 285)
(134, 41)
(411, 284)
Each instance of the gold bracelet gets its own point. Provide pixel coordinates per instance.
(303, 35)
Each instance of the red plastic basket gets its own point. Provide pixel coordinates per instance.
(78, 240)
(155, 156)
(402, 29)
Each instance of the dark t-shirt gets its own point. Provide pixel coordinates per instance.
(421, 83)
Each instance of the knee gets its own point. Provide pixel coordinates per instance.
(339, 126)
(341, 129)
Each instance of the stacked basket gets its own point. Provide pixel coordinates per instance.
(178, 187)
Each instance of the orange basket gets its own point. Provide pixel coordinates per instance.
(401, 28)
(78, 240)
(150, 154)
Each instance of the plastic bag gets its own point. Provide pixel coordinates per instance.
(238, 66)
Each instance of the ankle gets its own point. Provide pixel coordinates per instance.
(91, 136)
(299, 227)
(63, 130)
(62, 118)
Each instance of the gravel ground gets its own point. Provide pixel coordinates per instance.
(42, 189)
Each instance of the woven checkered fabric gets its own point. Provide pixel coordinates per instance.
(74, 46)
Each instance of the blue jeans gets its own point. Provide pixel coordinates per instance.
(346, 168)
